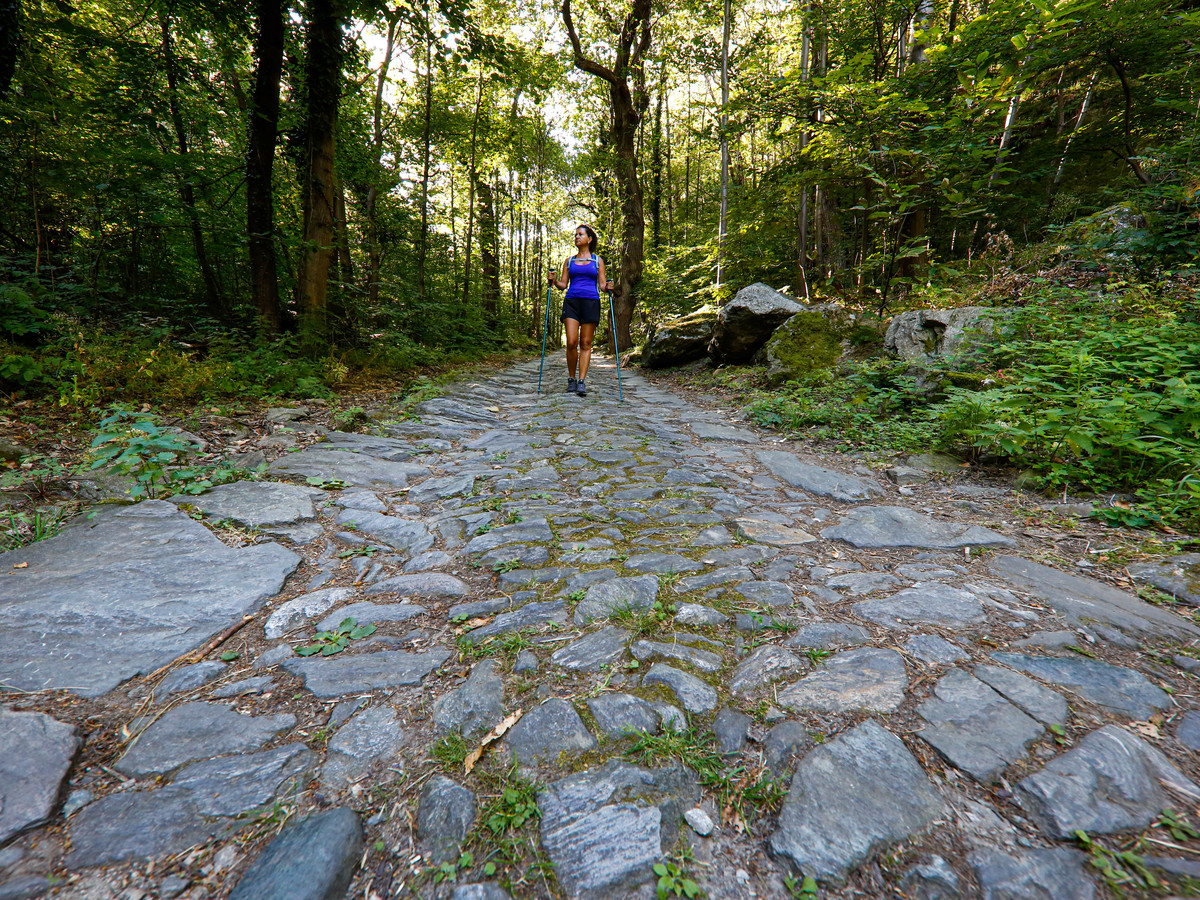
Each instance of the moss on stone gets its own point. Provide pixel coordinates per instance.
(808, 342)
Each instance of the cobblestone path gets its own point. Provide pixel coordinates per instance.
(704, 653)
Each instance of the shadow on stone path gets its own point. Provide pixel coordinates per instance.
(941, 710)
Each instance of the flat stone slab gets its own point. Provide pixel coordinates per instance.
(1112, 781)
(1043, 704)
(661, 563)
(702, 660)
(855, 583)
(302, 609)
(531, 531)
(767, 593)
(35, 753)
(927, 603)
(1117, 689)
(828, 636)
(934, 650)
(347, 466)
(710, 431)
(974, 727)
(139, 825)
(605, 829)
(1082, 601)
(445, 814)
(618, 715)
(874, 527)
(692, 614)
(256, 504)
(1178, 576)
(602, 600)
(548, 731)
(370, 614)
(819, 481)
(313, 859)
(441, 488)
(198, 730)
(475, 706)
(335, 676)
(1033, 874)
(851, 797)
(408, 535)
(766, 664)
(866, 679)
(529, 616)
(772, 534)
(130, 590)
(421, 586)
(371, 740)
(694, 695)
(593, 651)
(369, 444)
(231, 785)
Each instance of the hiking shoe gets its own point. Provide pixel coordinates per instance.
(581, 388)
(571, 385)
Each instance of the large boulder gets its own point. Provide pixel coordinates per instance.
(1111, 235)
(932, 336)
(745, 322)
(681, 340)
(810, 341)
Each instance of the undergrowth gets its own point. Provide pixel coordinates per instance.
(1092, 390)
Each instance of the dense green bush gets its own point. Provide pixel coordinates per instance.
(1094, 389)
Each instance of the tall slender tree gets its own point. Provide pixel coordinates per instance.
(628, 100)
(323, 83)
(260, 164)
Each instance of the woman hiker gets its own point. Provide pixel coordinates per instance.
(583, 279)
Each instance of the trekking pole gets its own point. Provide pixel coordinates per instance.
(612, 315)
(545, 328)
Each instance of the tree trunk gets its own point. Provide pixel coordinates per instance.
(628, 103)
(472, 179)
(656, 163)
(374, 247)
(10, 42)
(213, 300)
(323, 77)
(260, 163)
(423, 242)
(722, 222)
(489, 236)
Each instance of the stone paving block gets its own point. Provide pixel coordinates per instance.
(850, 798)
(867, 679)
(35, 753)
(1112, 781)
(129, 591)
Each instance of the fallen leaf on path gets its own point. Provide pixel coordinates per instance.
(490, 738)
(1145, 729)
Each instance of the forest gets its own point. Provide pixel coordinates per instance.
(249, 198)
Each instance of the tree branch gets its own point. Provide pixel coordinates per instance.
(581, 61)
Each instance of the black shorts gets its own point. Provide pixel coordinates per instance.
(583, 310)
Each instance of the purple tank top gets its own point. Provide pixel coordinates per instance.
(584, 279)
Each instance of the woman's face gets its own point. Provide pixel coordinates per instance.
(581, 238)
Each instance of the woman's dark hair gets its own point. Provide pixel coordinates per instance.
(593, 241)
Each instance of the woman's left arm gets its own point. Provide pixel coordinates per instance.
(605, 285)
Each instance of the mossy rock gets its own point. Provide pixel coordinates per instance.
(679, 341)
(813, 340)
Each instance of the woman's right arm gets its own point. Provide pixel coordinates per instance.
(560, 282)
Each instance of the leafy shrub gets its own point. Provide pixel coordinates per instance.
(874, 405)
(1100, 392)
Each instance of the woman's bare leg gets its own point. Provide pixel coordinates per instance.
(586, 332)
(572, 328)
